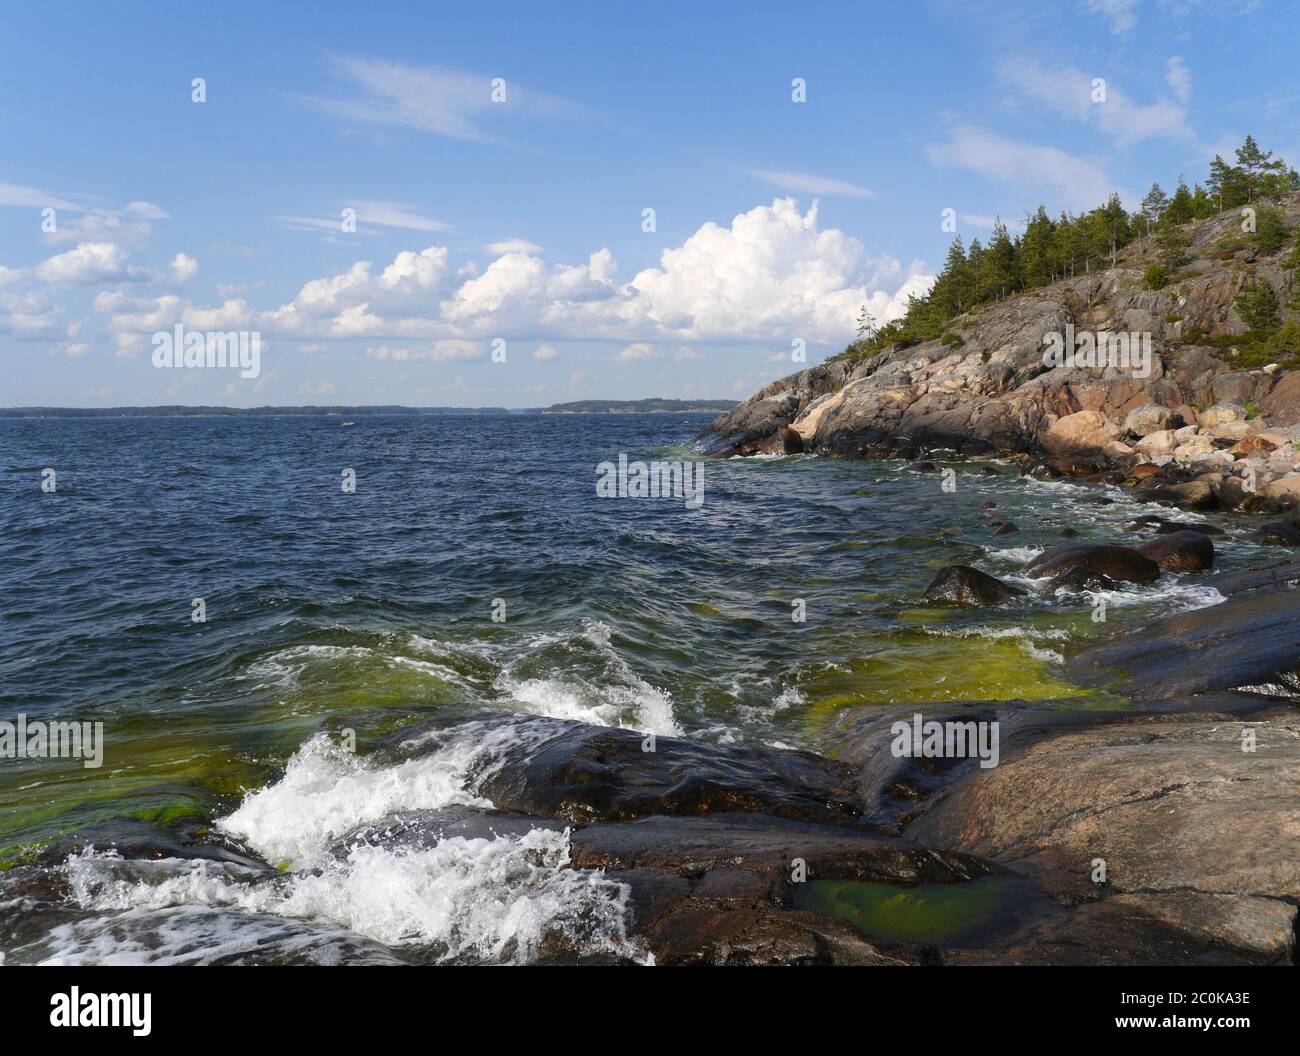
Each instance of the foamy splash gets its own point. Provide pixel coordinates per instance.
(498, 899)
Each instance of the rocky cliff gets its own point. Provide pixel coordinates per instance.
(1199, 428)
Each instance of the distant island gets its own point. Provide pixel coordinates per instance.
(654, 404)
(178, 411)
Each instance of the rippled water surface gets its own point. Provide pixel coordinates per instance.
(372, 612)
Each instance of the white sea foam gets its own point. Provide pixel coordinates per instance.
(327, 791)
(479, 899)
(619, 698)
(493, 900)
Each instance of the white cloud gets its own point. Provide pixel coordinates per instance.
(1121, 14)
(431, 99)
(90, 262)
(771, 274)
(78, 219)
(183, 268)
(1068, 92)
(76, 349)
(437, 352)
(366, 216)
(1179, 79)
(394, 214)
(640, 350)
(544, 353)
(20, 197)
(806, 183)
(322, 387)
(512, 245)
(1081, 183)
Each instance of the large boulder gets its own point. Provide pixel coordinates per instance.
(1220, 414)
(1171, 805)
(1151, 418)
(1080, 432)
(963, 585)
(585, 773)
(1121, 563)
(1186, 551)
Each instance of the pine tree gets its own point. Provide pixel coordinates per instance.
(1036, 249)
(1258, 306)
(1270, 229)
(1155, 203)
(1252, 166)
(1171, 245)
(1180, 208)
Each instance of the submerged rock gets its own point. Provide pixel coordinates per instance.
(964, 585)
(1120, 563)
(1079, 578)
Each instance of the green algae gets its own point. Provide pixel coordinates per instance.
(939, 914)
(913, 666)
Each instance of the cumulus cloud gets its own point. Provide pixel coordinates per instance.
(183, 268)
(772, 273)
(438, 352)
(90, 262)
(512, 245)
(544, 353)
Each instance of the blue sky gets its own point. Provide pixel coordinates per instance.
(522, 221)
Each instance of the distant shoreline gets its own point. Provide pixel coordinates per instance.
(649, 406)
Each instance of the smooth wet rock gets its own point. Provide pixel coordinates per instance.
(1185, 551)
(1121, 563)
(718, 890)
(1006, 528)
(583, 773)
(964, 585)
(1280, 533)
(1163, 526)
(1251, 640)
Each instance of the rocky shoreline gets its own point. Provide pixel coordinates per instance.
(857, 855)
(1184, 797)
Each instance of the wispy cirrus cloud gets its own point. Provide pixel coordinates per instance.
(808, 183)
(1068, 92)
(1121, 15)
(1081, 183)
(367, 215)
(82, 218)
(444, 101)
